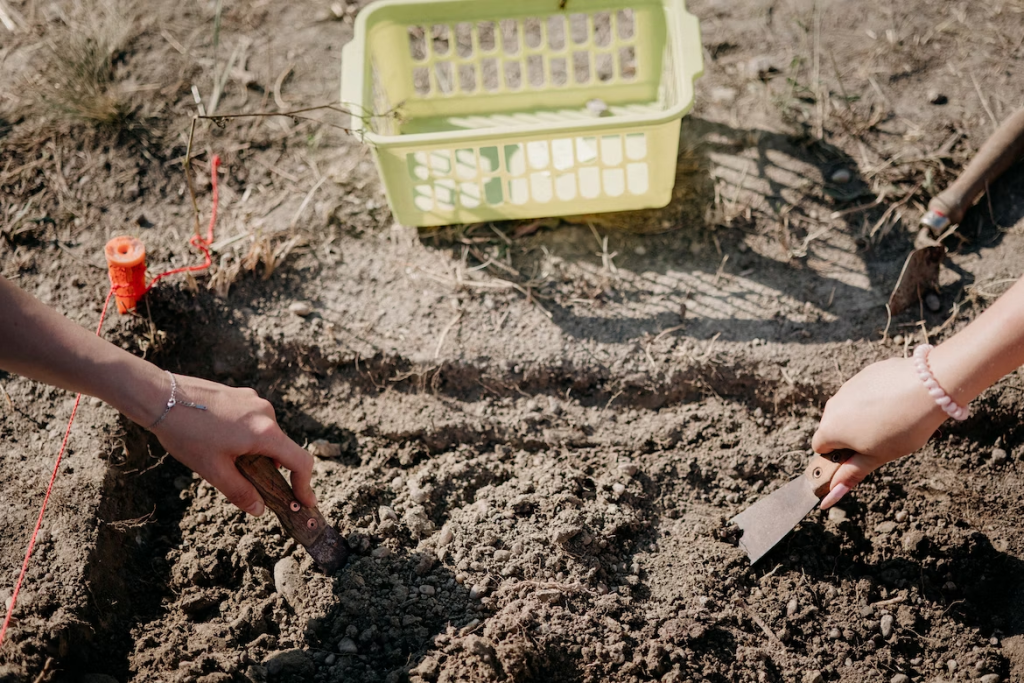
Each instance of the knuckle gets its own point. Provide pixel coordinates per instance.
(264, 428)
(266, 408)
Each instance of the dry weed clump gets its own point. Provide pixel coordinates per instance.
(78, 79)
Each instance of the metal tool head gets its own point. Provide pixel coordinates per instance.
(935, 222)
(920, 274)
(330, 551)
(767, 521)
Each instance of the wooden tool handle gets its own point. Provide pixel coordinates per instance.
(303, 524)
(997, 154)
(822, 467)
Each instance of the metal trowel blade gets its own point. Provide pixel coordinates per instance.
(767, 521)
(330, 551)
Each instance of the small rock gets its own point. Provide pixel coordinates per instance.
(427, 589)
(935, 97)
(347, 646)
(618, 489)
(952, 666)
(477, 591)
(913, 540)
(835, 634)
(418, 495)
(324, 449)
(501, 555)
(723, 95)
(564, 535)
(867, 611)
(991, 678)
(999, 456)
(330, 659)
(898, 340)
(841, 176)
(814, 677)
(993, 641)
(885, 527)
(301, 308)
(932, 302)
(628, 468)
(791, 607)
(291, 664)
(548, 595)
(900, 678)
(381, 552)
(386, 512)
(901, 516)
(288, 580)
(885, 627)
(836, 515)
(640, 250)
(445, 537)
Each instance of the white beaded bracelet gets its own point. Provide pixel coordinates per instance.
(943, 400)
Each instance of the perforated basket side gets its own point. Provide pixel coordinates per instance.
(537, 175)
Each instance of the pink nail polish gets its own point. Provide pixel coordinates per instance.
(833, 497)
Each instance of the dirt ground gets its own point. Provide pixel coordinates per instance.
(543, 427)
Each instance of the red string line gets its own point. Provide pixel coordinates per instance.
(197, 241)
(49, 489)
(203, 245)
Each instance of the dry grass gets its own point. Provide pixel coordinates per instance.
(78, 79)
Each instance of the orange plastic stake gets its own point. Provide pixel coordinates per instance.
(126, 263)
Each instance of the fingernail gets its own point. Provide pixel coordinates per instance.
(257, 509)
(833, 497)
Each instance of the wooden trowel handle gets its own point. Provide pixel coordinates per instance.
(997, 154)
(302, 523)
(822, 467)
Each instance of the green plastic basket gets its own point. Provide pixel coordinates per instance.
(482, 110)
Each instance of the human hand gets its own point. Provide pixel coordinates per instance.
(236, 422)
(883, 413)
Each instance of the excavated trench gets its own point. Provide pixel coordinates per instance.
(545, 523)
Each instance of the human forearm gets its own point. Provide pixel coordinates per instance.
(983, 352)
(41, 344)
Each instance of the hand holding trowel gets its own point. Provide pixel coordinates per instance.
(770, 519)
(305, 525)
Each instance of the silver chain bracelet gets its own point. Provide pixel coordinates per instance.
(173, 401)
